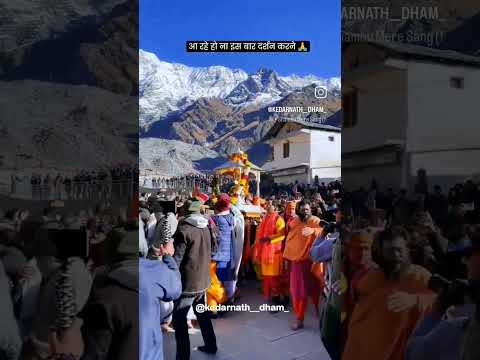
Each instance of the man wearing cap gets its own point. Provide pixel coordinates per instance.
(452, 331)
(166, 227)
(192, 242)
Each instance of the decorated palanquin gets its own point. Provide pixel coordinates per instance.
(239, 170)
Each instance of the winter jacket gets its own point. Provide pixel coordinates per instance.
(225, 250)
(328, 250)
(192, 243)
(159, 281)
(322, 251)
(111, 316)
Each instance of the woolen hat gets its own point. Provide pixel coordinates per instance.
(193, 206)
(223, 203)
(203, 197)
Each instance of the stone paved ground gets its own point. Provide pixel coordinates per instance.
(251, 336)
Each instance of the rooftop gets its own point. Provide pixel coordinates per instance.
(332, 123)
(406, 50)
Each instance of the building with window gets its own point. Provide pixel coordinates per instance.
(303, 150)
(408, 107)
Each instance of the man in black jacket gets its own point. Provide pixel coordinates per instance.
(192, 243)
(111, 316)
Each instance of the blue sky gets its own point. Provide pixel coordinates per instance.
(165, 26)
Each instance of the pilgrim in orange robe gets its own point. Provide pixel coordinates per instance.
(269, 254)
(303, 284)
(377, 333)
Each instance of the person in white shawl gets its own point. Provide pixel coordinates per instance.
(238, 240)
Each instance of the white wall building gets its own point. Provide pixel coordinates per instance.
(302, 151)
(408, 107)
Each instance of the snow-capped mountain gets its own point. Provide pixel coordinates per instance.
(191, 118)
(262, 87)
(166, 87)
(297, 82)
(266, 86)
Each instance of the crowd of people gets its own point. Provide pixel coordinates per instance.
(205, 243)
(69, 283)
(188, 181)
(410, 273)
(97, 185)
(307, 190)
(390, 274)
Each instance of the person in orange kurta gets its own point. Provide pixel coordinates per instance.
(269, 238)
(289, 214)
(284, 282)
(303, 285)
(390, 301)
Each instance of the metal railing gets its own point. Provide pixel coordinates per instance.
(103, 190)
(178, 184)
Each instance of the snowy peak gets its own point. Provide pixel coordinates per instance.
(167, 87)
(261, 87)
(297, 82)
(271, 81)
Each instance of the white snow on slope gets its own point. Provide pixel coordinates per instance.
(166, 87)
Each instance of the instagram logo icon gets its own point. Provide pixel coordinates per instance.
(321, 92)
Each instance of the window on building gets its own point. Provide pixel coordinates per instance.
(286, 150)
(331, 138)
(350, 108)
(457, 82)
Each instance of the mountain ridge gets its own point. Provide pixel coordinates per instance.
(171, 87)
